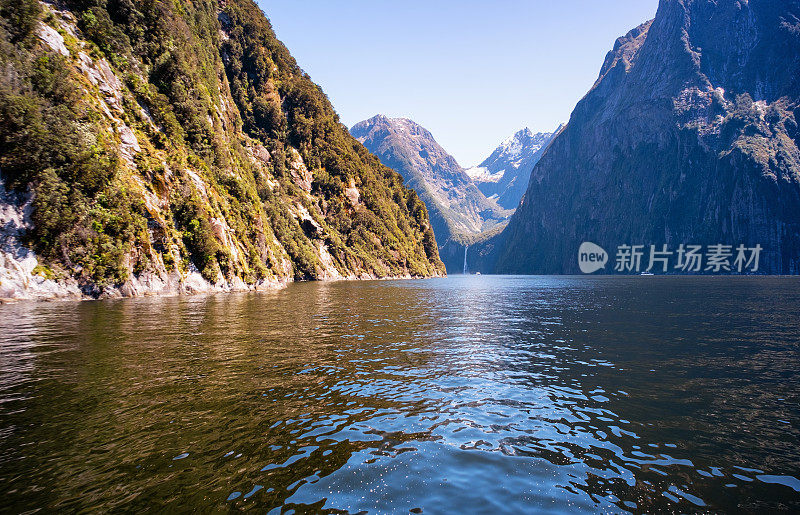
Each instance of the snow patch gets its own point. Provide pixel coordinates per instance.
(483, 174)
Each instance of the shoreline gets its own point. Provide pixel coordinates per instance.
(40, 289)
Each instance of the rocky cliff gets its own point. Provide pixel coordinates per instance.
(163, 147)
(460, 213)
(689, 136)
(504, 174)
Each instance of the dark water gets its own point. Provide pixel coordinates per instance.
(467, 394)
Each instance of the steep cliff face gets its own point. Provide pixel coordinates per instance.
(504, 174)
(688, 136)
(158, 147)
(460, 213)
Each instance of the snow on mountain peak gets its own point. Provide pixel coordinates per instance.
(505, 173)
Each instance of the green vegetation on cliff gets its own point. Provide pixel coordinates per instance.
(159, 134)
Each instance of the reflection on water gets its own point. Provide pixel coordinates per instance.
(470, 394)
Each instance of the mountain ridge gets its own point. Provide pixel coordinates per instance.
(460, 214)
(688, 136)
(504, 174)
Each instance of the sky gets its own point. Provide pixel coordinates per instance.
(472, 72)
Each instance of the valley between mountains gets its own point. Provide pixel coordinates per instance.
(178, 147)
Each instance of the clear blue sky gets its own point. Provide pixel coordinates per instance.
(471, 72)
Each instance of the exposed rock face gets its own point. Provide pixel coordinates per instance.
(504, 174)
(23, 276)
(689, 136)
(20, 274)
(459, 212)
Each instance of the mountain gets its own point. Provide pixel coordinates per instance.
(163, 147)
(689, 136)
(504, 174)
(460, 214)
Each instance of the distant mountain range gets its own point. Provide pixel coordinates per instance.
(465, 206)
(689, 136)
(459, 212)
(504, 174)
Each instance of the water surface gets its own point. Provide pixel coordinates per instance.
(466, 394)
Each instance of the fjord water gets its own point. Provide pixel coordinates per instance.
(465, 394)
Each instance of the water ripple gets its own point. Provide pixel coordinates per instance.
(490, 394)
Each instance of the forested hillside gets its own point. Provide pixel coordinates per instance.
(147, 141)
